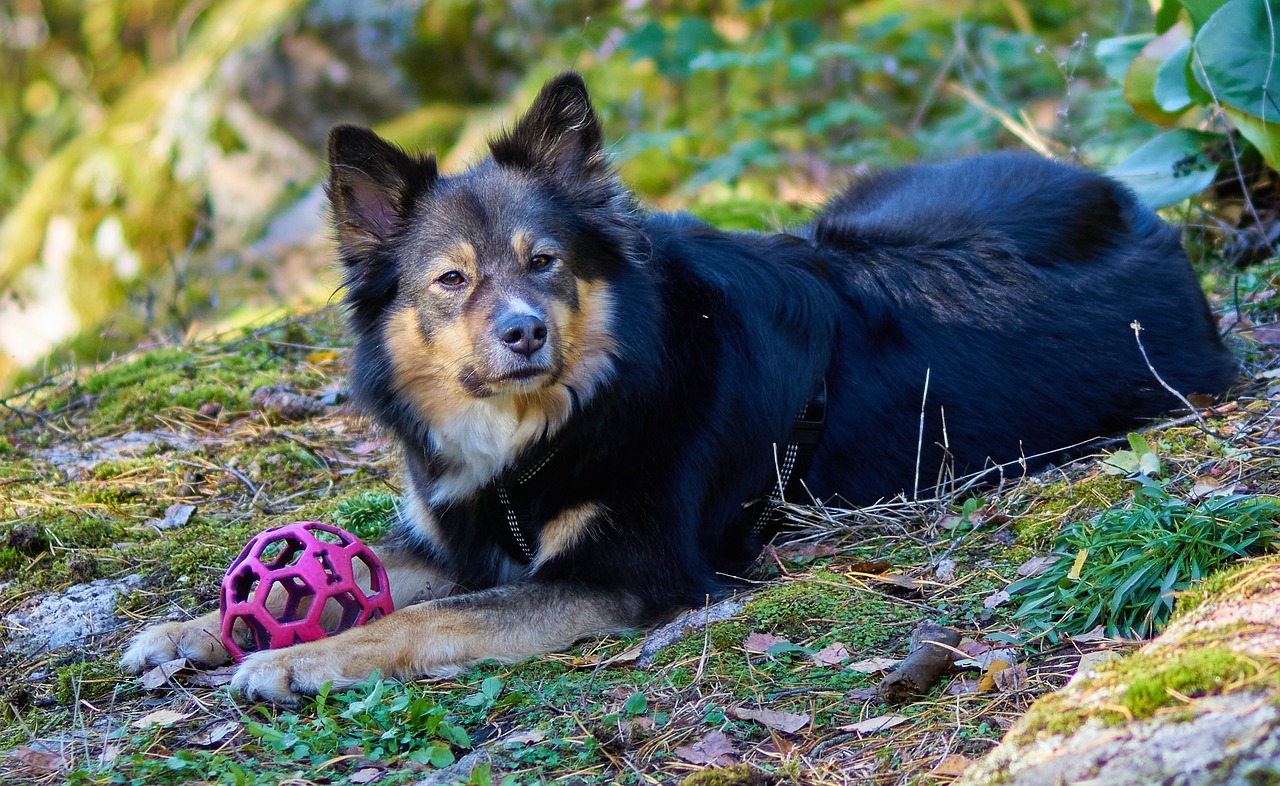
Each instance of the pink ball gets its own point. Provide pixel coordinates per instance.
(313, 564)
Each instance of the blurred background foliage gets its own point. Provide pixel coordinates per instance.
(159, 158)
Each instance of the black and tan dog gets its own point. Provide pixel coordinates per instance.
(589, 396)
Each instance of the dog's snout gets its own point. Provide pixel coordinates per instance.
(523, 334)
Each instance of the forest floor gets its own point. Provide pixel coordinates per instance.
(126, 490)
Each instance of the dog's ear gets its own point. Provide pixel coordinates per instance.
(371, 187)
(558, 138)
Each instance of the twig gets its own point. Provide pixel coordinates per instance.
(1200, 421)
(924, 398)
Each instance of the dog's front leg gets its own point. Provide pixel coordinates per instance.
(440, 637)
(200, 641)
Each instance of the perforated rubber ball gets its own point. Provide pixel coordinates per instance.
(320, 580)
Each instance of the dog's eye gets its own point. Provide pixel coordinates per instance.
(452, 279)
(541, 261)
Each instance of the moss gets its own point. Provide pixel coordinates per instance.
(90, 679)
(1065, 500)
(735, 775)
(1201, 671)
(1233, 582)
(366, 515)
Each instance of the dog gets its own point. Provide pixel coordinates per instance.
(592, 400)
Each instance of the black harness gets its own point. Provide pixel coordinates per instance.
(512, 493)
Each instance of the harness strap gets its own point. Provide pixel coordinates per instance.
(518, 535)
(797, 457)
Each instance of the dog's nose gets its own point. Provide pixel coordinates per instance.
(523, 334)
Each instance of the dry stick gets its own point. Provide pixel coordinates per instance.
(1200, 421)
(931, 654)
(915, 489)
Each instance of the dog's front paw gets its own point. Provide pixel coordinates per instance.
(284, 676)
(197, 640)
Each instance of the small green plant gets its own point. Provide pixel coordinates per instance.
(366, 515)
(1123, 569)
(385, 721)
(1205, 58)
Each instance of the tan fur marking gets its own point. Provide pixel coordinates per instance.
(437, 638)
(522, 241)
(565, 531)
(426, 372)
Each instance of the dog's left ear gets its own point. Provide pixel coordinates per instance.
(558, 138)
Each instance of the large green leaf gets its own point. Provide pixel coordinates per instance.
(1117, 53)
(1201, 10)
(1169, 168)
(1140, 81)
(1171, 93)
(1236, 56)
(1262, 134)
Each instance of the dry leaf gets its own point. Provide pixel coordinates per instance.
(160, 718)
(900, 581)
(831, 655)
(715, 748)
(945, 571)
(365, 775)
(1036, 565)
(988, 680)
(996, 599)
(45, 761)
(782, 721)
(214, 733)
(961, 687)
(760, 643)
(157, 678)
(214, 678)
(1099, 633)
(874, 665)
(525, 737)
(953, 764)
(1266, 334)
(864, 693)
(871, 566)
(972, 647)
(878, 723)
(1011, 679)
(795, 552)
(1089, 663)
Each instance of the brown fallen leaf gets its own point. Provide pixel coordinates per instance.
(214, 733)
(44, 761)
(715, 748)
(162, 718)
(1036, 565)
(528, 737)
(953, 765)
(788, 722)
(1011, 679)
(996, 599)
(878, 723)
(874, 665)
(1090, 661)
(1265, 334)
(945, 571)
(162, 675)
(831, 655)
(972, 647)
(365, 775)
(870, 566)
(760, 643)
(798, 552)
(900, 581)
(961, 687)
(214, 678)
(988, 680)
(863, 693)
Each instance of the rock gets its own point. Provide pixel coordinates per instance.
(62, 619)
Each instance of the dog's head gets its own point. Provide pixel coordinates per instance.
(495, 282)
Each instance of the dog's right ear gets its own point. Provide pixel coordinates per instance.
(371, 188)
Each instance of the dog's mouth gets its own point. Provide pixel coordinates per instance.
(524, 379)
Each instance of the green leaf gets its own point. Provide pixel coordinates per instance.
(1167, 15)
(1262, 134)
(1149, 464)
(1236, 54)
(1122, 462)
(636, 704)
(1117, 53)
(1139, 443)
(1169, 168)
(491, 687)
(1171, 91)
(1140, 80)
(1201, 10)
